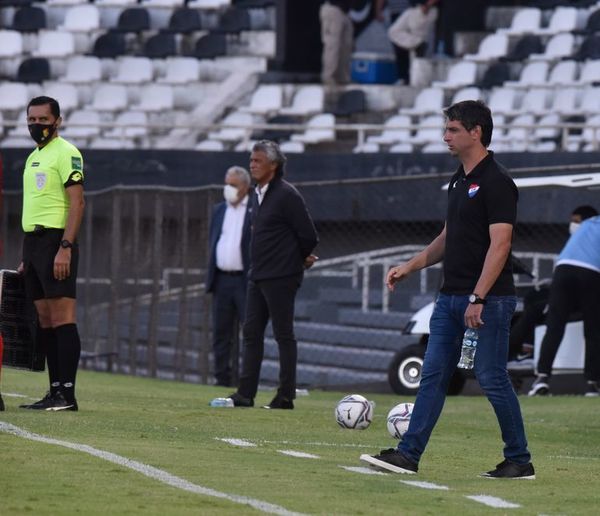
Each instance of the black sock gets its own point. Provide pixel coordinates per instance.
(46, 340)
(69, 349)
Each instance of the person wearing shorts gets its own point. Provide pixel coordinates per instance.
(52, 211)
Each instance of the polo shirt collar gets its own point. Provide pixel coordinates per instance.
(479, 168)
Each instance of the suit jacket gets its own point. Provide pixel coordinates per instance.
(216, 225)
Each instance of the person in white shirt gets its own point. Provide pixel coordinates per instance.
(229, 240)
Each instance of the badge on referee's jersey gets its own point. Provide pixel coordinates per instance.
(40, 180)
(75, 163)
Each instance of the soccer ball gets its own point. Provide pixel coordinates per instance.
(354, 412)
(398, 419)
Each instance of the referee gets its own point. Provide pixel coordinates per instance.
(52, 212)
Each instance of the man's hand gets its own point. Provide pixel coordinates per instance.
(62, 264)
(395, 275)
(473, 316)
(310, 260)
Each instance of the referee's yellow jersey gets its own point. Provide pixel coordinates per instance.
(48, 171)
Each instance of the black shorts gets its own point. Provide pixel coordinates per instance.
(39, 251)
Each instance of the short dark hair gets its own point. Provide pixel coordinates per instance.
(585, 212)
(273, 152)
(472, 113)
(40, 101)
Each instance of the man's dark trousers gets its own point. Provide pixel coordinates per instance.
(229, 306)
(272, 298)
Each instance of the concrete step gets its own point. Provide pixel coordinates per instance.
(390, 320)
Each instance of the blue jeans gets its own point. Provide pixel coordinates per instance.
(443, 352)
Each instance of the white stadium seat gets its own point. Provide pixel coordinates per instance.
(210, 145)
(533, 74)
(491, 47)
(534, 101)
(470, 93)
(13, 96)
(565, 101)
(110, 97)
(66, 94)
(265, 100)
(156, 98)
(502, 100)
(111, 143)
(461, 74)
(134, 70)
(292, 147)
(563, 19)
(181, 70)
(396, 129)
(429, 100)
(560, 45)
(52, 43)
(430, 129)
(590, 72)
(81, 18)
(518, 133)
(83, 70)
(524, 21)
(564, 72)
(11, 43)
(366, 148)
(129, 124)
(234, 127)
(320, 128)
(308, 100)
(82, 124)
(402, 148)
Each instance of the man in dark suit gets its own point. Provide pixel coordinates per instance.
(283, 238)
(229, 241)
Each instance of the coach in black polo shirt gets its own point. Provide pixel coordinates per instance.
(478, 292)
(283, 238)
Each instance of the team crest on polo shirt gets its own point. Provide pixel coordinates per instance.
(40, 180)
(473, 189)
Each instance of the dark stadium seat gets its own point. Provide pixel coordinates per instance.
(276, 135)
(184, 20)
(495, 75)
(234, 20)
(525, 46)
(29, 19)
(593, 22)
(210, 46)
(133, 19)
(350, 102)
(589, 49)
(160, 45)
(35, 69)
(109, 45)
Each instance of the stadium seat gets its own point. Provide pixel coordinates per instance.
(491, 47)
(401, 148)
(16, 142)
(435, 148)
(134, 70)
(162, 3)
(20, 129)
(29, 19)
(184, 20)
(11, 43)
(564, 72)
(463, 73)
(518, 133)
(396, 129)
(502, 100)
(565, 101)
(524, 21)
(133, 19)
(208, 4)
(115, 3)
(350, 102)
(83, 70)
(210, 46)
(534, 101)
(81, 18)
(160, 45)
(548, 127)
(590, 136)
(65, 93)
(470, 93)
(366, 148)
(524, 47)
(563, 19)
(590, 101)
(560, 45)
(429, 100)
(292, 147)
(589, 48)
(590, 72)
(320, 128)
(276, 135)
(109, 97)
(234, 20)
(181, 70)
(495, 75)
(593, 22)
(128, 124)
(533, 74)
(234, 127)
(429, 129)
(111, 143)
(245, 146)
(109, 45)
(13, 96)
(267, 99)
(54, 44)
(156, 98)
(34, 69)
(82, 124)
(210, 145)
(308, 100)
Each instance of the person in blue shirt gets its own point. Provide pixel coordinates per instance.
(575, 287)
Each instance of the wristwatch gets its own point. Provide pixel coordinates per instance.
(65, 244)
(474, 299)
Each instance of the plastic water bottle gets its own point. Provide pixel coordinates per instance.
(222, 402)
(469, 346)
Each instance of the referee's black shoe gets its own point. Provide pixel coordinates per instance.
(42, 404)
(60, 403)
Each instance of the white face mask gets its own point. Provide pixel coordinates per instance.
(230, 193)
(573, 226)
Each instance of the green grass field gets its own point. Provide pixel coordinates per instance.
(169, 426)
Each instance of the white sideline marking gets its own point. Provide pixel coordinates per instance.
(299, 454)
(571, 457)
(237, 442)
(303, 443)
(148, 471)
(15, 395)
(364, 471)
(492, 501)
(425, 485)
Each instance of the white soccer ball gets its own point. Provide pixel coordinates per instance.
(354, 412)
(398, 419)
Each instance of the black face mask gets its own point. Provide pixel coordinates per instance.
(41, 133)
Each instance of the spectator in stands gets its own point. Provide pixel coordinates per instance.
(283, 238)
(229, 241)
(535, 306)
(575, 286)
(410, 34)
(52, 212)
(394, 8)
(478, 292)
(337, 34)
